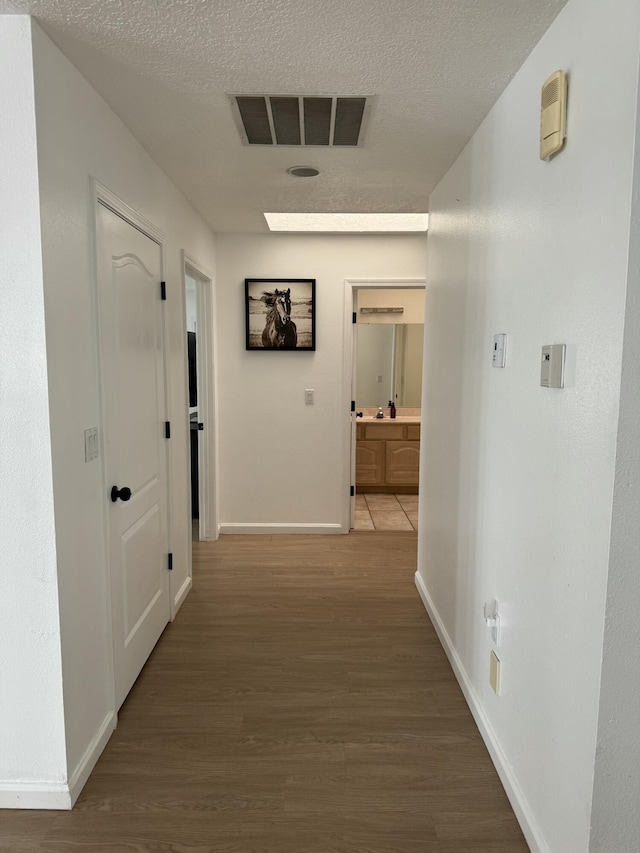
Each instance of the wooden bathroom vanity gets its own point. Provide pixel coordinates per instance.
(388, 456)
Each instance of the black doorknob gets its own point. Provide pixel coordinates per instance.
(124, 493)
(358, 414)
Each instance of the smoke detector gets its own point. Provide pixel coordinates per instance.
(332, 121)
(303, 172)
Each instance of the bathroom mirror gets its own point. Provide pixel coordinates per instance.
(389, 364)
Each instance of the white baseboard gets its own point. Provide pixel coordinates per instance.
(58, 796)
(35, 795)
(183, 592)
(281, 528)
(92, 754)
(520, 806)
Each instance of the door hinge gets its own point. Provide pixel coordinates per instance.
(167, 429)
(354, 317)
(170, 562)
(163, 291)
(353, 405)
(352, 492)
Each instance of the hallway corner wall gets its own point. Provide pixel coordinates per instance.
(615, 818)
(79, 139)
(33, 766)
(517, 480)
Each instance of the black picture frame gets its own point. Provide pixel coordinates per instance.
(280, 314)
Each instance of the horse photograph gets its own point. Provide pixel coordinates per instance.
(280, 313)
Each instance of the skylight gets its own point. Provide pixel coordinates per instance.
(353, 222)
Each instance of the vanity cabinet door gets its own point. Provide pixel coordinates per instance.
(402, 463)
(369, 463)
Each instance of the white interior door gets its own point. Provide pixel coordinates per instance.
(133, 379)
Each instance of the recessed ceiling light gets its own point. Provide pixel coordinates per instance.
(303, 171)
(354, 222)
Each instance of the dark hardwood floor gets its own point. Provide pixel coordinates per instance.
(300, 703)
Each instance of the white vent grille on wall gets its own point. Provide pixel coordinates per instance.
(302, 120)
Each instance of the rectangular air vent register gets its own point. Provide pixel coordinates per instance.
(333, 121)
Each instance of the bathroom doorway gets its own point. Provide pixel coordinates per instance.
(385, 386)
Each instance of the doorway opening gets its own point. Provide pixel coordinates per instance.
(385, 343)
(198, 301)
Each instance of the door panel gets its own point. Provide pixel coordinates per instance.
(403, 463)
(369, 463)
(132, 372)
(140, 554)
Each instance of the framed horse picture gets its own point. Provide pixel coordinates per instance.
(280, 313)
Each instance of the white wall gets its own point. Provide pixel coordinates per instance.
(80, 138)
(281, 461)
(379, 297)
(32, 759)
(412, 369)
(192, 303)
(517, 480)
(615, 819)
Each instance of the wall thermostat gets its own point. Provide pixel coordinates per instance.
(552, 366)
(499, 351)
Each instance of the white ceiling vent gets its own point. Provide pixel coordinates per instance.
(309, 120)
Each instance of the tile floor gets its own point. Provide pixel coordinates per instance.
(386, 512)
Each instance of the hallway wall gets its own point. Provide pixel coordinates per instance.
(281, 461)
(517, 480)
(79, 137)
(615, 818)
(32, 738)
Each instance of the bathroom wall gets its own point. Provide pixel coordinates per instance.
(411, 301)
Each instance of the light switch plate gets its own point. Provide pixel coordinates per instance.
(309, 396)
(91, 444)
(552, 366)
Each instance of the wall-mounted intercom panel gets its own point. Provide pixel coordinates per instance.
(553, 114)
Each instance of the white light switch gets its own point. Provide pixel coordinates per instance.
(308, 396)
(552, 366)
(91, 444)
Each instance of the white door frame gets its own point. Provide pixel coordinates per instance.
(207, 394)
(101, 195)
(351, 287)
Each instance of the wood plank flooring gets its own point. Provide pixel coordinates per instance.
(300, 703)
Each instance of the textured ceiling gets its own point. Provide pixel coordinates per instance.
(166, 66)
